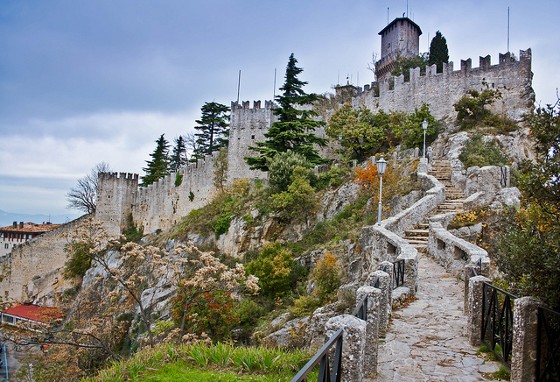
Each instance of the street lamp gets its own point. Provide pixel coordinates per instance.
(425, 128)
(381, 166)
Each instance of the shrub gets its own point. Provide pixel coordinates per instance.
(281, 169)
(178, 179)
(276, 269)
(298, 201)
(304, 305)
(472, 111)
(327, 277)
(480, 152)
(80, 259)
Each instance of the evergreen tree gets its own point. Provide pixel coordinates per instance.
(212, 129)
(438, 51)
(158, 167)
(295, 127)
(179, 156)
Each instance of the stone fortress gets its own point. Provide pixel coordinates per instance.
(160, 206)
(163, 204)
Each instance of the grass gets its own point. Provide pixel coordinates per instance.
(221, 362)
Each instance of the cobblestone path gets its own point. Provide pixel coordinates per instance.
(426, 340)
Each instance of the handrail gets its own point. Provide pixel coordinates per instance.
(398, 273)
(5, 361)
(360, 310)
(497, 321)
(547, 364)
(322, 357)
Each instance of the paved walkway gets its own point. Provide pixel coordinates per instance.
(426, 341)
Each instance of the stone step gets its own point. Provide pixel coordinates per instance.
(423, 226)
(417, 232)
(416, 241)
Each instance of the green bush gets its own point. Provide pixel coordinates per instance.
(472, 112)
(304, 305)
(80, 259)
(327, 276)
(276, 269)
(480, 152)
(298, 201)
(281, 169)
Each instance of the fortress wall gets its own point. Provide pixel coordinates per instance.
(247, 126)
(33, 269)
(162, 204)
(116, 193)
(511, 77)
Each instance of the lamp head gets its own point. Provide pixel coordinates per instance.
(425, 125)
(381, 166)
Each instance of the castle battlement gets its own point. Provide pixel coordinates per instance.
(118, 175)
(510, 76)
(245, 105)
(505, 62)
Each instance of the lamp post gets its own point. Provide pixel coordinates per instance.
(381, 167)
(425, 128)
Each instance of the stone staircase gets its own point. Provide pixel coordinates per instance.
(454, 198)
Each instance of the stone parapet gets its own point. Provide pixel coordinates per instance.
(353, 345)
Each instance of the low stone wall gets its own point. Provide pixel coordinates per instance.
(452, 252)
(382, 242)
(434, 196)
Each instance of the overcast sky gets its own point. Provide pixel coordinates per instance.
(83, 82)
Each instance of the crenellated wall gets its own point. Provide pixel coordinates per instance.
(247, 126)
(511, 77)
(161, 205)
(116, 193)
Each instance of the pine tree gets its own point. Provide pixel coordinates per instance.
(295, 127)
(213, 129)
(179, 156)
(438, 51)
(158, 167)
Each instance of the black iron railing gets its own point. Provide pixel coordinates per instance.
(398, 273)
(326, 372)
(497, 321)
(476, 269)
(548, 345)
(360, 310)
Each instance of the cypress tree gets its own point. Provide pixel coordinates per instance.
(294, 129)
(212, 129)
(179, 156)
(158, 167)
(438, 51)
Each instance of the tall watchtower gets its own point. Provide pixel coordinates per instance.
(400, 38)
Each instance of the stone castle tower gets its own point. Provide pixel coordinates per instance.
(400, 38)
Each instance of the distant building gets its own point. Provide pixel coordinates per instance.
(29, 315)
(16, 234)
(400, 38)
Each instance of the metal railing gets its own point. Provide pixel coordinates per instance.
(398, 273)
(476, 269)
(497, 321)
(326, 372)
(4, 375)
(548, 345)
(360, 310)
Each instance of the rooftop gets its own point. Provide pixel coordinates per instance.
(37, 313)
(401, 19)
(29, 227)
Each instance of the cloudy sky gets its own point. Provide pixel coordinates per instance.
(83, 82)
